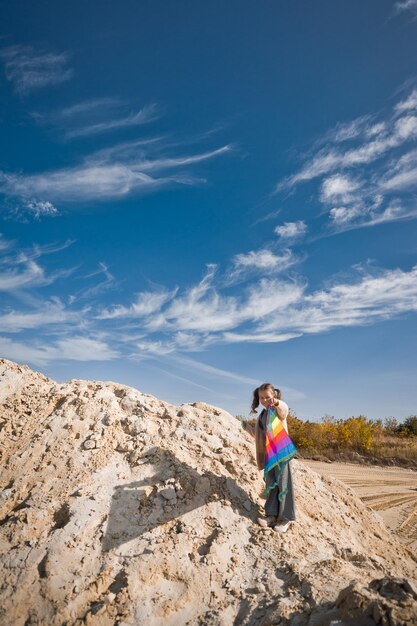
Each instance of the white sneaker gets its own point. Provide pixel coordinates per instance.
(282, 527)
(266, 522)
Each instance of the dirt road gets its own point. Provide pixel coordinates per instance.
(391, 491)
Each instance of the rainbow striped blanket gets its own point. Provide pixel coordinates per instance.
(279, 449)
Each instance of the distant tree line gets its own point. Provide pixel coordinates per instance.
(371, 438)
(333, 438)
(408, 427)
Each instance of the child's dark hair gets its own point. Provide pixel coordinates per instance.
(263, 387)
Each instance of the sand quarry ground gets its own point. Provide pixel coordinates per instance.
(390, 491)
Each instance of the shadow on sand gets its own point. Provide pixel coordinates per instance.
(175, 488)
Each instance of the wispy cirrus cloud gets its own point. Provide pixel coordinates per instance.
(29, 69)
(215, 318)
(88, 107)
(143, 116)
(75, 348)
(190, 366)
(272, 310)
(373, 297)
(20, 270)
(52, 312)
(98, 116)
(119, 170)
(108, 282)
(346, 131)
(402, 174)
(146, 303)
(161, 321)
(364, 169)
(329, 158)
(406, 5)
(51, 329)
(28, 273)
(209, 370)
(5, 244)
(409, 104)
(108, 174)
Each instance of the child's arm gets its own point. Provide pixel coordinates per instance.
(281, 408)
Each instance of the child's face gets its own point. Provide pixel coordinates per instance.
(266, 397)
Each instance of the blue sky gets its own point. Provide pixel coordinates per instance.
(197, 197)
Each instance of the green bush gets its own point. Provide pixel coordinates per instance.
(409, 426)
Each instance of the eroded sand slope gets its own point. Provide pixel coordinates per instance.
(118, 508)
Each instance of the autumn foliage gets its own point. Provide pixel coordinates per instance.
(356, 434)
(341, 438)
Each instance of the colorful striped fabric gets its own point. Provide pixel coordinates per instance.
(279, 448)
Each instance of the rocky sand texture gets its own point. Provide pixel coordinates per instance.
(118, 508)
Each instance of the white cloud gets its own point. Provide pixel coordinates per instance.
(346, 131)
(341, 215)
(100, 179)
(169, 163)
(402, 181)
(406, 5)
(330, 158)
(21, 270)
(41, 208)
(276, 311)
(147, 303)
(191, 341)
(405, 128)
(29, 70)
(263, 260)
(89, 292)
(194, 319)
(291, 230)
(167, 321)
(285, 309)
(157, 348)
(394, 212)
(267, 296)
(71, 348)
(89, 106)
(376, 129)
(338, 188)
(403, 174)
(83, 349)
(259, 337)
(202, 309)
(78, 183)
(22, 353)
(51, 312)
(5, 244)
(359, 198)
(368, 300)
(32, 275)
(143, 116)
(410, 103)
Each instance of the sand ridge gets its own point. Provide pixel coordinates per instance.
(119, 508)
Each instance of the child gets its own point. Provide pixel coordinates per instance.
(279, 505)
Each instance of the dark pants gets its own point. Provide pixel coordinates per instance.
(284, 508)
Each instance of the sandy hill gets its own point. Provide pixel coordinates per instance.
(118, 508)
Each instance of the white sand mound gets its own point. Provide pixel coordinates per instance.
(118, 508)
